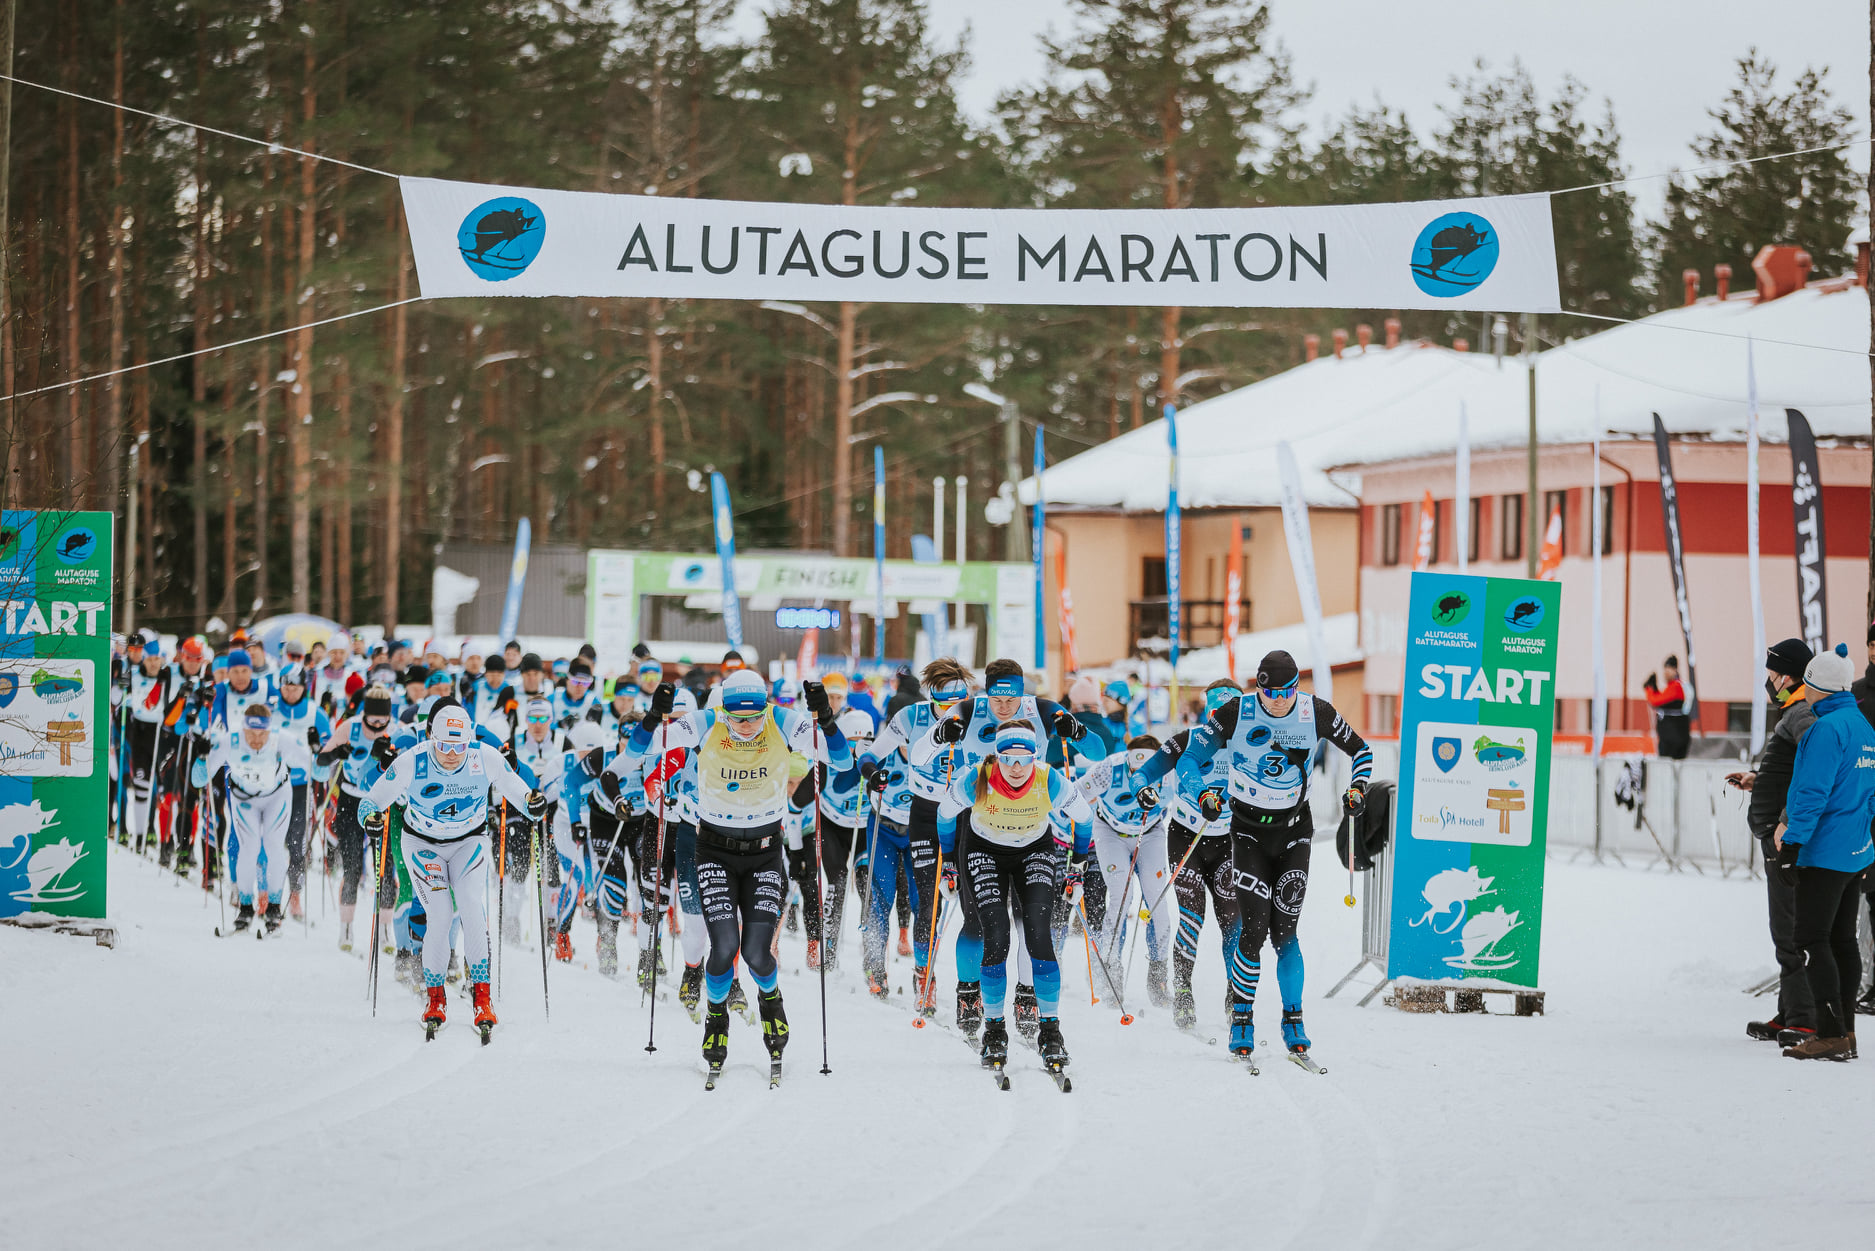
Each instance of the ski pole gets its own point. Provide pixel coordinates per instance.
(1146, 914)
(501, 898)
(820, 881)
(1126, 1018)
(377, 912)
(657, 897)
(540, 898)
(1087, 945)
(940, 912)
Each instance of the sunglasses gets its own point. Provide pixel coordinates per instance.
(377, 723)
(451, 749)
(540, 720)
(578, 683)
(743, 716)
(1280, 692)
(1016, 757)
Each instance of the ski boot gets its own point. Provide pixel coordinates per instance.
(295, 907)
(690, 990)
(875, 984)
(484, 1015)
(969, 1006)
(904, 940)
(608, 946)
(647, 968)
(774, 1023)
(1049, 1042)
(1764, 1031)
(163, 854)
(407, 968)
(715, 1041)
(244, 919)
(927, 1001)
(739, 1002)
(1243, 1042)
(1027, 1011)
(1184, 1009)
(813, 953)
(184, 862)
(345, 935)
(1865, 1006)
(435, 1013)
(995, 1043)
(1294, 1037)
(275, 917)
(1156, 991)
(794, 917)
(563, 947)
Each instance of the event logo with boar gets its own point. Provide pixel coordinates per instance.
(1454, 254)
(500, 238)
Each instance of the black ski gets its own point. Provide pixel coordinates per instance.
(1302, 1060)
(431, 1029)
(1063, 1082)
(999, 1077)
(774, 1072)
(709, 1080)
(485, 1030)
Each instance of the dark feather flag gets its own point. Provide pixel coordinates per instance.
(1806, 503)
(1670, 510)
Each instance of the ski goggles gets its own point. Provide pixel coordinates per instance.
(453, 751)
(744, 714)
(578, 683)
(377, 725)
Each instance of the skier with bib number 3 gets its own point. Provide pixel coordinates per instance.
(446, 846)
(1267, 738)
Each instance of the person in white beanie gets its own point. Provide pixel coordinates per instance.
(1828, 811)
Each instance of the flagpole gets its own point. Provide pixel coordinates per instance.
(1751, 543)
(878, 559)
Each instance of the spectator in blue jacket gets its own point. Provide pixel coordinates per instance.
(1826, 838)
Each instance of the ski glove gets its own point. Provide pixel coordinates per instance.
(1072, 879)
(373, 823)
(608, 782)
(663, 699)
(877, 781)
(817, 703)
(1070, 727)
(536, 805)
(198, 774)
(383, 752)
(950, 876)
(1148, 796)
(312, 737)
(1787, 855)
(1210, 805)
(579, 835)
(949, 730)
(1355, 801)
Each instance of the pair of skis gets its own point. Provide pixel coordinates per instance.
(1301, 1059)
(432, 1028)
(774, 1074)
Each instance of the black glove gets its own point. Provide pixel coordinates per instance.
(1787, 855)
(663, 699)
(596, 714)
(1297, 756)
(566, 722)
(579, 835)
(877, 781)
(1148, 796)
(1070, 727)
(949, 730)
(312, 737)
(816, 696)
(608, 783)
(382, 751)
(536, 805)
(1648, 683)
(1355, 801)
(1210, 805)
(373, 823)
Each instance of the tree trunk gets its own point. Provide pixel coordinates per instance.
(74, 246)
(263, 394)
(299, 425)
(394, 438)
(1171, 121)
(654, 370)
(9, 485)
(112, 442)
(198, 384)
(341, 496)
(843, 366)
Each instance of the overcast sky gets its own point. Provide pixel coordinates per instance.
(1661, 62)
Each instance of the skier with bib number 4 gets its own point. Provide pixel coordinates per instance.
(1267, 739)
(444, 787)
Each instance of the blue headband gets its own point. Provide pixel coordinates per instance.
(260, 723)
(1214, 700)
(1013, 738)
(1007, 685)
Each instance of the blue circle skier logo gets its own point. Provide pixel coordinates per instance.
(1524, 614)
(77, 545)
(501, 238)
(1454, 254)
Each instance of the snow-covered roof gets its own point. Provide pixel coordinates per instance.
(1687, 364)
(1341, 637)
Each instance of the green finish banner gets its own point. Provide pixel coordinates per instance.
(55, 737)
(1473, 810)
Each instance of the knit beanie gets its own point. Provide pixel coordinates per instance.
(1831, 671)
(1789, 658)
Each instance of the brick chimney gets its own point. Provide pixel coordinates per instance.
(1691, 278)
(1341, 342)
(1393, 323)
(1722, 274)
(1365, 334)
(1461, 345)
(1781, 269)
(1311, 346)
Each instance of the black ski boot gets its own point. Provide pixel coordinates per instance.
(690, 990)
(1156, 992)
(646, 978)
(739, 1002)
(163, 854)
(995, 1044)
(716, 1035)
(1027, 1011)
(244, 919)
(969, 1006)
(1048, 1042)
(275, 917)
(774, 1022)
(1184, 1009)
(608, 946)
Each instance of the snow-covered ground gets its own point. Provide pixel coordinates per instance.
(185, 1091)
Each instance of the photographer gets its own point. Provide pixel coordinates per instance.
(1784, 664)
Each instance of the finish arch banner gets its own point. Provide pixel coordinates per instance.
(1473, 810)
(474, 239)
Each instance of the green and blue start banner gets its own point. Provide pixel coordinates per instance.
(55, 672)
(1473, 812)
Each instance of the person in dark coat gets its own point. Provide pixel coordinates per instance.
(909, 692)
(1768, 783)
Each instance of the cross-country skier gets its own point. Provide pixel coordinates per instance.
(301, 717)
(259, 764)
(1129, 843)
(578, 699)
(890, 795)
(840, 799)
(742, 751)
(145, 692)
(1267, 740)
(364, 746)
(445, 787)
(1023, 814)
(1206, 867)
(184, 740)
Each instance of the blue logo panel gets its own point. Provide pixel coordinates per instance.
(500, 238)
(1454, 254)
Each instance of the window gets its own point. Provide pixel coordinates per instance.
(1608, 520)
(1738, 718)
(1438, 530)
(1556, 504)
(1152, 577)
(1390, 534)
(1510, 527)
(1472, 528)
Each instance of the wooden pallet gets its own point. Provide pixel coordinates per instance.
(1419, 998)
(104, 933)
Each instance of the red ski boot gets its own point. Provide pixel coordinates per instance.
(904, 941)
(435, 1014)
(484, 1015)
(563, 947)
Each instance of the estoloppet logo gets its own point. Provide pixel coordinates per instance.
(1454, 254)
(500, 238)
